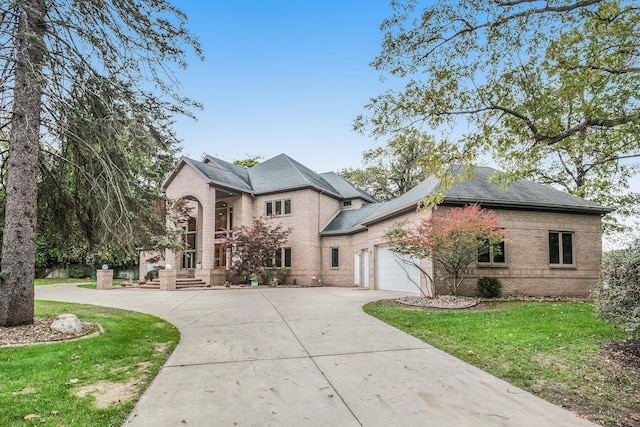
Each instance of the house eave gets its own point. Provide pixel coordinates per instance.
(599, 210)
(298, 188)
(184, 161)
(348, 232)
(227, 187)
(396, 212)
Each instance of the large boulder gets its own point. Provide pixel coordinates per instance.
(67, 324)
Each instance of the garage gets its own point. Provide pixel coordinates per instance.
(394, 272)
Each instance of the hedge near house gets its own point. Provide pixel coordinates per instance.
(617, 295)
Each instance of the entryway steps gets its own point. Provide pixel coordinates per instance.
(181, 283)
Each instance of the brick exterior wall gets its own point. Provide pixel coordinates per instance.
(526, 272)
(310, 211)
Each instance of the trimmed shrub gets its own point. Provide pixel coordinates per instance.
(77, 272)
(617, 295)
(489, 287)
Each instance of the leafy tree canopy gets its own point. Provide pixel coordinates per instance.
(248, 162)
(548, 88)
(254, 247)
(453, 239)
(393, 170)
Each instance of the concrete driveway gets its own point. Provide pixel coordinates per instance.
(307, 357)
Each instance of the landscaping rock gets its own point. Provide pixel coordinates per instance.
(441, 301)
(67, 324)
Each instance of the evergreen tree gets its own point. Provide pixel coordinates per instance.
(87, 98)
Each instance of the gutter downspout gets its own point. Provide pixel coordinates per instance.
(321, 279)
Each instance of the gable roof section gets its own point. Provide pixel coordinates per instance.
(521, 194)
(282, 173)
(222, 173)
(346, 188)
(405, 203)
(240, 171)
(349, 221)
(278, 174)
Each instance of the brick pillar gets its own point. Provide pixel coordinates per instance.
(208, 230)
(206, 275)
(105, 279)
(167, 280)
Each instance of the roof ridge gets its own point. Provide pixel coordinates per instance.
(292, 162)
(297, 166)
(231, 168)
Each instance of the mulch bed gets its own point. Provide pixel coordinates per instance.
(38, 332)
(626, 353)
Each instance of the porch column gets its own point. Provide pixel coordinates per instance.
(208, 230)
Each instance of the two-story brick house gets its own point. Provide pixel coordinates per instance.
(553, 244)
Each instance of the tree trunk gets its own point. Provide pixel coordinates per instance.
(18, 245)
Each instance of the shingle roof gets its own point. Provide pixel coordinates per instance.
(223, 174)
(521, 194)
(278, 174)
(349, 221)
(283, 173)
(346, 188)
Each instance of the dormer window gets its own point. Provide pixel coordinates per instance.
(346, 204)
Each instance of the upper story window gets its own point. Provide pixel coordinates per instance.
(346, 204)
(561, 248)
(278, 207)
(495, 255)
(224, 219)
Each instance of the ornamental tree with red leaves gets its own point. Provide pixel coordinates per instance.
(453, 239)
(254, 247)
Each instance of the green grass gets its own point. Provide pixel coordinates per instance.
(553, 349)
(93, 285)
(40, 282)
(82, 283)
(43, 382)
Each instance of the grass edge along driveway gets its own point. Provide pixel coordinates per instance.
(555, 350)
(88, 382)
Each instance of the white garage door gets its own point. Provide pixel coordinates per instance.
(394, 273)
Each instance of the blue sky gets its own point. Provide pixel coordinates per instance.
(282, 77)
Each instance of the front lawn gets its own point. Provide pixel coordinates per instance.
(553, 349)
(89, 382)
(82, 283)
(41, 282)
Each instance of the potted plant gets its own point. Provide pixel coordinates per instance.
(254, 279)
